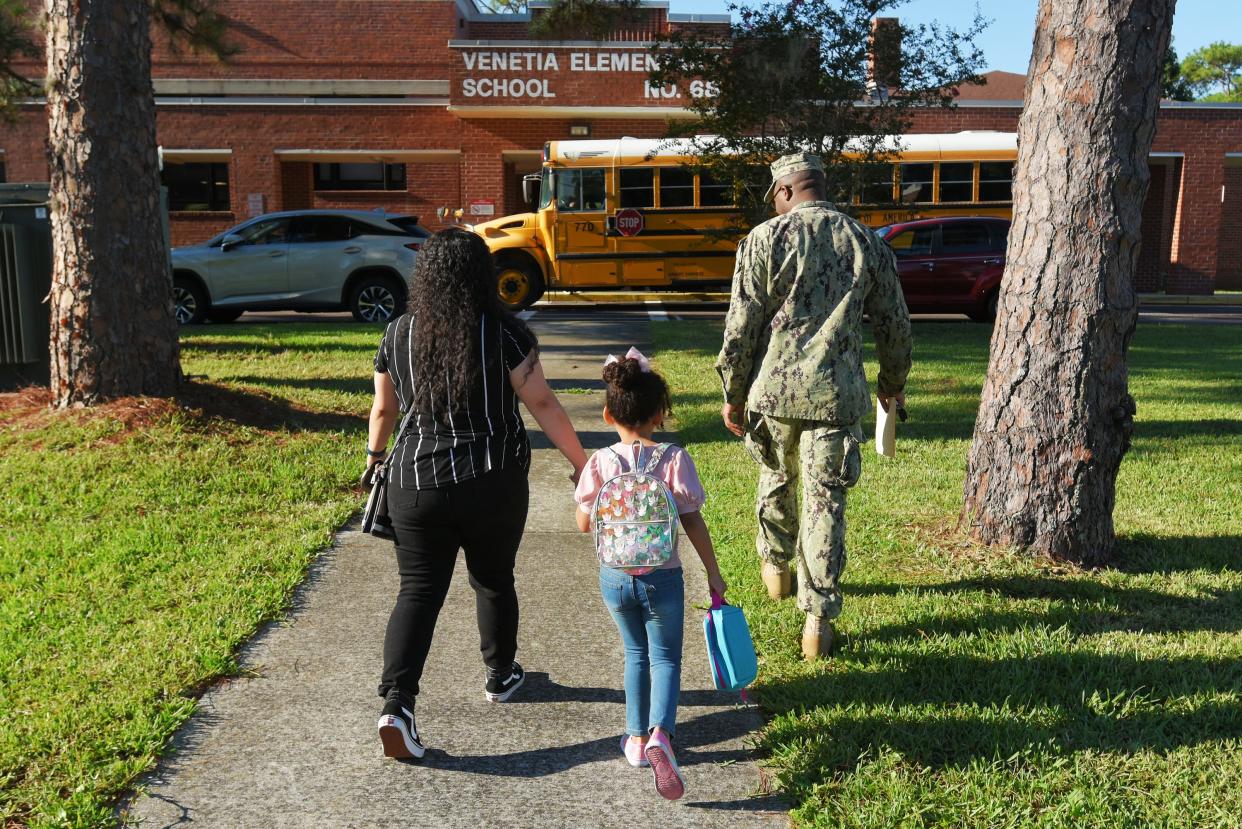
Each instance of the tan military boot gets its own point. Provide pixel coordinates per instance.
(776, 579)
(818, 636)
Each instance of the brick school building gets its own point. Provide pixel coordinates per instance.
(413, 105)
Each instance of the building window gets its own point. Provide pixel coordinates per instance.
(713, 193)
(996, 181)
(916, 183)
(638, 187)
(957, 182)
(200, 186)
(359, 176)
(676, 187)
(2, 178)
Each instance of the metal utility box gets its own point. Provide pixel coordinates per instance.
(25, 280)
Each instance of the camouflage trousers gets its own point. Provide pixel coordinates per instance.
(827, 460)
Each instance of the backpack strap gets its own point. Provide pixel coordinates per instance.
(622, 459)
(635, 464)
(657, 455)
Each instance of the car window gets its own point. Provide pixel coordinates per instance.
(308, 229)
(917, 241)
(266, 232)
(409, 225)
(579, 190)
(964, 237)
(1000, 236)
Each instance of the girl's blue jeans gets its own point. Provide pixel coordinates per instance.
(649, 611)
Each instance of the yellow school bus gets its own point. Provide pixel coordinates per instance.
(627, 213)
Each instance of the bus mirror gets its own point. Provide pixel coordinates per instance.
(530, 190)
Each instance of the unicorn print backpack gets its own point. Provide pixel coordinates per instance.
(634, 516)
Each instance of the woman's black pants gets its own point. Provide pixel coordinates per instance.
(485, 517)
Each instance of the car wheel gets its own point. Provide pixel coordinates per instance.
(189, 301)
(225, 315)
(375, 299)
(988, 312)
(518, 284)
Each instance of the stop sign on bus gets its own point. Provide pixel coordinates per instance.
(629, 222)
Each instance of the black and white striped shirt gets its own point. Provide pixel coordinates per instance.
(462, 439)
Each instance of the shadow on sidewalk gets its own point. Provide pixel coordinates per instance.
(706, 730)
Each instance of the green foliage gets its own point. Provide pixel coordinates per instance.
(583, 19)
(194, 23)
(793, 76)
(977, 689)
(16, 41)
(1214, 72)
(501, 6)
(1172, 85)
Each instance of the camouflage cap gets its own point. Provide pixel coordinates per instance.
(789, 164)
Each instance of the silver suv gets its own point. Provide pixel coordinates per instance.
(302, 260)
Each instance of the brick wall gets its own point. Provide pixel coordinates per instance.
(1229, 268)
(1205, 136)
(1191, 241)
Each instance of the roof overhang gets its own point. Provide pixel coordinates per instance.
(386, 156)
(547, 112)
(188, 155)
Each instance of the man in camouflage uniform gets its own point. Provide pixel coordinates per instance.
(793, 377)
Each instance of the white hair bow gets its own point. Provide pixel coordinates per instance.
(632, 354)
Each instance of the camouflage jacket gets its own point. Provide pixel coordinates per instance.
(793, 335)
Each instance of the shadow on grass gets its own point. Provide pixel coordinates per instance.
(260, 410)
(948, 689)
(363, 384)
(978, 708)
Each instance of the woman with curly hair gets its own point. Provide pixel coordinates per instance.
(457, 476)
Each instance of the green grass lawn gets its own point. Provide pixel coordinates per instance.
(141, 544)
(977, 688)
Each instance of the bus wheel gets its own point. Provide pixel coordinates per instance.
(518, 284)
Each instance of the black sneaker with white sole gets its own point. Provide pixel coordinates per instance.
(396, 727)
(501, 684)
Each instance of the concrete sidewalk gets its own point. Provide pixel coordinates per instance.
(292, 742)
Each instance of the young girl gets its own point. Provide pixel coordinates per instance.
(649, 609)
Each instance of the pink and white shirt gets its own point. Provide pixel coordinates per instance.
(675, 468)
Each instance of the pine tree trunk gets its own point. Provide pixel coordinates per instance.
(113, 329)
(1056, 416)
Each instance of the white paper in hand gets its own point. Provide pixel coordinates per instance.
(885, 430)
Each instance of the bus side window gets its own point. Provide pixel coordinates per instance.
(879, 178)
(996, 181)
(713, 193)
(638, 187)
(916, 183)
(580, 190)
(957, 181)
(676, 187)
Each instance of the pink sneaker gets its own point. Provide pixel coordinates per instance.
(633, 751)
(668, 779)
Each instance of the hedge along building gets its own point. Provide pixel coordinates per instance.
(412, 105)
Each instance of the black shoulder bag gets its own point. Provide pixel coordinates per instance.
(375, 518)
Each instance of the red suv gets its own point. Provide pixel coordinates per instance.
(950, 265)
